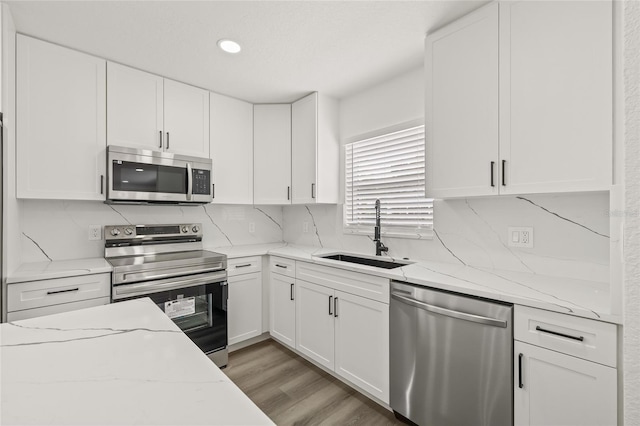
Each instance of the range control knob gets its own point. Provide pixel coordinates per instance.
(185, 229)
(128, 231)
(115, 232)
(195, 228)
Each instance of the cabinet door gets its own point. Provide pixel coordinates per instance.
(61, 122)
(186, 119)
(304, 138)
(362, 343)
(559, 389)
(272, 154)
(556, 96)
(244, 307)
(462, 106)
(282, 324)
(134, 108)
(315, 322)
(231, 149)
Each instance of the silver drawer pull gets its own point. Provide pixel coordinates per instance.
(63, 291)
(243, 266)
(281, 266)
(555, 333)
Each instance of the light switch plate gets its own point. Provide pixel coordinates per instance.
(521, 236)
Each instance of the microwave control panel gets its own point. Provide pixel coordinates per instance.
(201, 182)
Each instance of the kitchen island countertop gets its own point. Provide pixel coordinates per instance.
(124, 363)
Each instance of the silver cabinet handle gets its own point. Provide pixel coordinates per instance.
(160, 139)
(448, 312)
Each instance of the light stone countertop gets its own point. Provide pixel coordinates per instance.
(124, 363)
(589, 299)
(59, 269)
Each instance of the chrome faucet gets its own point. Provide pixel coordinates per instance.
(376, 232)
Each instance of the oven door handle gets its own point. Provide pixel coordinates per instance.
(148, 287)
(158, 274)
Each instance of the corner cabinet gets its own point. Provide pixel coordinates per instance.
(150, 112)
(272, 154)
(564, 370)
(315, 150)
(524, 90)
(231, 138)
(61, 122)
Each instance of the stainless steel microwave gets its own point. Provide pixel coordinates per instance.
(142, 176)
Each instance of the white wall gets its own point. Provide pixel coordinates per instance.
(631, 330)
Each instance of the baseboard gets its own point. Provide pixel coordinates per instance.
(249, 342)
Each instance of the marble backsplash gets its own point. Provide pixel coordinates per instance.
(58, 230)
(571, 234)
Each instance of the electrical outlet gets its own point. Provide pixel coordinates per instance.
(95, 232)
(252, 227)
(520, 237)
(305, 227)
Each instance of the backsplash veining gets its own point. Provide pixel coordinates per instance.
(571, 234)
(58, 230)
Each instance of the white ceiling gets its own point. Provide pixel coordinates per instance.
(290, 48)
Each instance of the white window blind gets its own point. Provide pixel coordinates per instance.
(390, 168)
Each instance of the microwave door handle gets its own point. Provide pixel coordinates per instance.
(189, 182)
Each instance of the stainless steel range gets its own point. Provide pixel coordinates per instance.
(167, 264)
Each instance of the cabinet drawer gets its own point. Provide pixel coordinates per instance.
(579, 337)
(244, 265)
(36, 294)
(56, 309)
(369, 286)
(284, 266)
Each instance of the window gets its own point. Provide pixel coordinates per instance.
(390, 168)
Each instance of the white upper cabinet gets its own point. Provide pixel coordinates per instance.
(61, 122)
(231, 138)
(272, 154)
(519, 100)
(186, 119)
(556, 95)
(134, 108)
(148, 111)
(315, 150)
(462, 106)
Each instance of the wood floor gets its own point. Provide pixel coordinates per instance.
(292, 391)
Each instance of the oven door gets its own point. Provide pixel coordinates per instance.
(200, 311)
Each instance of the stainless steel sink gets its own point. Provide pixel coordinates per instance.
(376, 262)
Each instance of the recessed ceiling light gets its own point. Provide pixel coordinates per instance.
(229, 46)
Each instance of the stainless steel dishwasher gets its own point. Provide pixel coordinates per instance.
(451, 358)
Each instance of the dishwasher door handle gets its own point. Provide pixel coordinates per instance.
(448, 312)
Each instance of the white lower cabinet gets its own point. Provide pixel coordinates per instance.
(362, 343)
(559, 389)
(315, 322)
(245, 307)
(282, 318)
(557, 380)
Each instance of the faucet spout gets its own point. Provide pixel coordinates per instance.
(380, 247)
